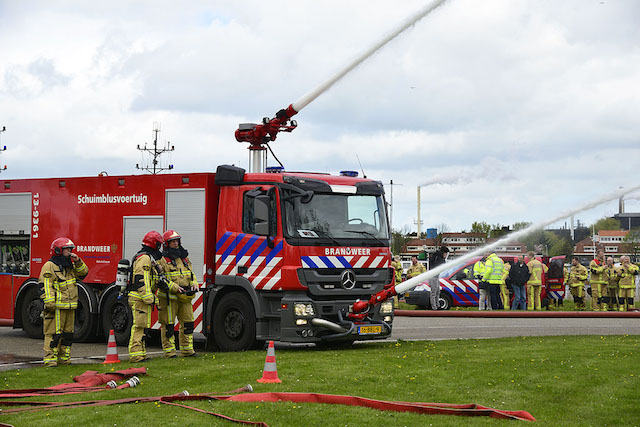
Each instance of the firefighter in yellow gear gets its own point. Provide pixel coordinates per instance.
(611, 273)
(534, 285)
(183, 284)
(598, 282)
(416, 268)
(627, 283)
(397, 268)
(141, 298)
(493, 270)
(577, 278)
(504, 290)
(58, 278)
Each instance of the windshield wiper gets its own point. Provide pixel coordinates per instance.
(367, 234)
(324, 234)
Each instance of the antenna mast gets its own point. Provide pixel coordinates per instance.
(155, 153)
(3, 148)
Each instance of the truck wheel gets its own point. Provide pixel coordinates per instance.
(234, 323)
(30, 310)
(445, 301)
(85, 322)
(116, 315)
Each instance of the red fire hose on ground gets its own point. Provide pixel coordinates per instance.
(91, 381)
(86, 382)
(471, 410)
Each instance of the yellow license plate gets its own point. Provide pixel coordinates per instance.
(406, 295)
(365, 330)
(555, 287)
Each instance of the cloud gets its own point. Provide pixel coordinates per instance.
(523, 107)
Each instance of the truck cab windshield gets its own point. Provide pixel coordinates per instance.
(361, 219)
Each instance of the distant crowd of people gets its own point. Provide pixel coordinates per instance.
(611, 287)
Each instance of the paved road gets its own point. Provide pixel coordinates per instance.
(440, 328)
(18, 351)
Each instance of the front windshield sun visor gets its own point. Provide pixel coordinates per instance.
(308, 184)
(373, 188)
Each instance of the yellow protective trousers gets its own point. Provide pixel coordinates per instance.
(625, 298)
(57, 327)
(504, 295)
(533, 297)
(598, 291)
(613, 297)
(578, 296)
(140, 329)
(183, 310)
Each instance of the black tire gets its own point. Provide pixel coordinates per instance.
(234, 323)
(30, 310)
(116, 315)
(85, 324)
(445, 301)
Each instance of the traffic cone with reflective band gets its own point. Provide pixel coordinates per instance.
(270, 372)
(112, 349)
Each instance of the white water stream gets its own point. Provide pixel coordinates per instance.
(318, 90)
(413, 282)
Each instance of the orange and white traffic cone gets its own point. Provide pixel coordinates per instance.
(270, 372)
(112, 349)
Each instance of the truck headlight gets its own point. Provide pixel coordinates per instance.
(386, 307)
(301, 309)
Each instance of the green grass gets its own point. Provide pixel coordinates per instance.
(586, 380)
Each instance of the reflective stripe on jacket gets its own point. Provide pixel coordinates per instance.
(493, 269)
(628, 276)
(180, 276)
(59, 284)
(478, 269)
(577, 275)
(536, 268)
(597, 272)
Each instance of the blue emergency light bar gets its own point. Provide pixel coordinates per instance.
(352, 174)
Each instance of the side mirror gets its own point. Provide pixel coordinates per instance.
(261, 215)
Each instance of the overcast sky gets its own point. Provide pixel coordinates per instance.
(524, 108)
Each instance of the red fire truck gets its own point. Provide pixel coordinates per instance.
(280, 256)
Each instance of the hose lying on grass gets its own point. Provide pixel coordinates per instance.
(471, 410)
(84, 383)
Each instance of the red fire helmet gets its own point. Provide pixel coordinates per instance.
(170, 235)
(61, 243)
(153, 239)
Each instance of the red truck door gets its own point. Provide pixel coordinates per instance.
(555, 277)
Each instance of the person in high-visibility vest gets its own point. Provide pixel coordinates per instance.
(504, 289)
(598, 283)
(493, 270)
(60, 296)
(627, 284)
(484, 303)
(577, 278)
(534, 285)
(611, 273)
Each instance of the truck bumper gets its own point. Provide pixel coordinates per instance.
(328, 324)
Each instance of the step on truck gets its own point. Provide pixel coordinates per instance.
(279, 256)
